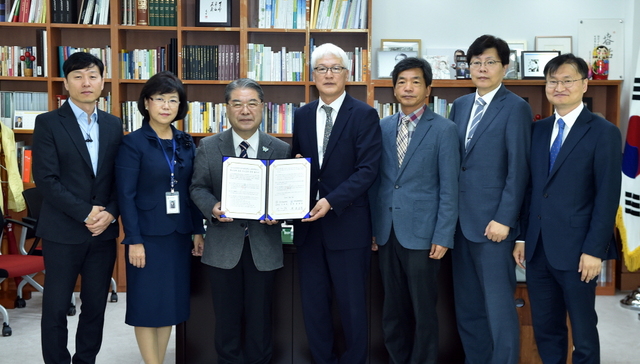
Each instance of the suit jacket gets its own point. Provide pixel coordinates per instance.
(495, 166)
(574, 205)
(143, 178)
(420, 198)
(224, 240)
(349, 168)
(63, 173)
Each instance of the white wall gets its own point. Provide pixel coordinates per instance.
(450, 25)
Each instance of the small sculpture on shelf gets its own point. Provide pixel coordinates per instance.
(600, 65)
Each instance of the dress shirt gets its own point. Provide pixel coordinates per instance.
(254, 141)
(488, 97)
(321, 121)
(90, 131)
(415, 118)
(569, 120)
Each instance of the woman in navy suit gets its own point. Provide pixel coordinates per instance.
(153, 172)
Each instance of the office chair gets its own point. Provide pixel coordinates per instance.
(18, 266)
(33, 199)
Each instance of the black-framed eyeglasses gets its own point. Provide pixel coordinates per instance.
(334, 69)
(565, 83)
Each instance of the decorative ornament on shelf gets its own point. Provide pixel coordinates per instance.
(28, 58)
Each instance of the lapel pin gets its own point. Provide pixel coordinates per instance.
(265, 149)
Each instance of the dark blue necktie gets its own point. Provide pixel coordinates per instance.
(243, 154)
(557, 143)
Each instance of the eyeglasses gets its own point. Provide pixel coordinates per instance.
(160, 101)
(335, 69)
(251, 105)
(565, 83)
(490, 63)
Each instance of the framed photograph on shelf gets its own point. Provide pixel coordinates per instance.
(513, 69)
(563, 44)
(410, 45)
(388, 59)
(517, 45)
(533, 63)
(213, 13)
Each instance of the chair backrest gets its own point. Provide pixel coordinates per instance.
(33, 198)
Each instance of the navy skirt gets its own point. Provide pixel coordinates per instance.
(158, 294)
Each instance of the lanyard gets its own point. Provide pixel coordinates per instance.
(171, 163)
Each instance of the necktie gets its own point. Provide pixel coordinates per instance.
(243, 154)
(476, 119)
(557, 143)
(402, 139)
(327, 127)
(243, 149)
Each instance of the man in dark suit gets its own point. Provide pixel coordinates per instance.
(341, 135)
(242, 256)
(574, 196)
(74, 149)
(414, 224)
(494, 129)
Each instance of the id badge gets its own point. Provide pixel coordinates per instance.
(173, 202)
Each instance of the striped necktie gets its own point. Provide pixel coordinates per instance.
(402, 139)
(476, 119)
(243, 149)
(327, 127)
(557, 143)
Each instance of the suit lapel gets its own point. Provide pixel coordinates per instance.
(338, 126)
(578, 130)
(418, 134)
(70, 123)
(264, 148)
(389, 133)
(226, 147)
(105, 138)
(311, 134)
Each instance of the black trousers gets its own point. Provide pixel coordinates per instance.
(93, 260)
(242, 297)
(409, 316)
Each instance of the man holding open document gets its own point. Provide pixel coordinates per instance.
(242, 255)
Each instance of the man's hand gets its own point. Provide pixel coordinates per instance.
(518, 254)
(374, 246)
(437, 251)
(216, 213)
(94, 211)
(269, 221)
(100, 222)
(198, 245)
(319, 210)
(136, 255)
(495, 231)
(589, 266)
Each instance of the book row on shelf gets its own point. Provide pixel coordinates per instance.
(94, 12)
(23, 11)
(149, 12)
(21, 61)
(439, 106)
(287, 14)
(211, 62)
(104, 54)
(209, 117)
(24, 161)
(267, 65)
(338, 14)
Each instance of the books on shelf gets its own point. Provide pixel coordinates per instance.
(11, 64)
(23, 11)
(64, 11)
(278, 118)
(265, 64)
(24, 161)
(338, 14)
(131, 117)
(211, 62)
(205, 117)
(104, 54)
(149, 12)
(94, 12)
(141, 64)
(285, 14)
(10, 101)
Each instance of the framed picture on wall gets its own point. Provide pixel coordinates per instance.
(388, 59)
(410, 45)
(533, 63)
(213, 13)
(563, 44)
(513, 69)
